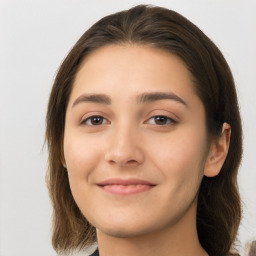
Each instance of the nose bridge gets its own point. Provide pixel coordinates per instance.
(124, 147)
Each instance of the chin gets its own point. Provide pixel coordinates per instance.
(121, 227)
(130, 228)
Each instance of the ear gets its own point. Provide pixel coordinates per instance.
(218, 152)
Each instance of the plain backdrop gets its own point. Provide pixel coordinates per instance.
(35, 36)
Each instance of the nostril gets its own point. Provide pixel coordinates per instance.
(124, 163)
(124, 155)
(132, 162)
(112, 162)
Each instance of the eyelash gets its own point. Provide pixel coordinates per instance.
(168, 120)
(91, 118)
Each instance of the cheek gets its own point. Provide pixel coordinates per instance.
(80, 157)
(180, 156)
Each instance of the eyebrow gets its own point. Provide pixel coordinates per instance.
(96, 98)
(155, 96)
(142, 98)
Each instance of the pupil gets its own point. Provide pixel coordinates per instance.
(97, 120)
(160, 120)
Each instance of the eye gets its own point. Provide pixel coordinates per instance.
(94, 120)
(161, 120)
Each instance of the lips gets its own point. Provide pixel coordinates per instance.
(125, 187)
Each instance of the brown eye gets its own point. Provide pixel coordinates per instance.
(161, 120)
(94, 120)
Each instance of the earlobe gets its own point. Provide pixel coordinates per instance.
(218, 152)
(63, 162)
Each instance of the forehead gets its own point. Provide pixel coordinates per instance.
(127, 70)
(133, 59)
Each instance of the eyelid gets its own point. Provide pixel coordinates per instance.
(90, 119)
(170, 121)
(90, 115)
(153, 114)
(164, 113)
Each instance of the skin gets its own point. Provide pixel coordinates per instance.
(161, 141)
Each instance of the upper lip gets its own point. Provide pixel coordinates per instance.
(124, 182)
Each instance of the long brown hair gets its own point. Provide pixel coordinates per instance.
(219, 208)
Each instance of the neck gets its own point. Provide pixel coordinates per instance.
(180, 239)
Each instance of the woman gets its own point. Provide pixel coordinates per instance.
(141, 157)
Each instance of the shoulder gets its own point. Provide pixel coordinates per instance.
(88, 251)
(96, 253)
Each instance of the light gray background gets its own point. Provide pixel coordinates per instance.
(34, 38)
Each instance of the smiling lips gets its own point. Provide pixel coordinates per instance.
(125, 187)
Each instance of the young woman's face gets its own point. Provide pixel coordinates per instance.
(135, 141)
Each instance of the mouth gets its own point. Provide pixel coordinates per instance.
(125, 187)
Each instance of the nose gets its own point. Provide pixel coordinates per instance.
(124, 149)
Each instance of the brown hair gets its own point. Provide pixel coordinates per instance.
(219, 208)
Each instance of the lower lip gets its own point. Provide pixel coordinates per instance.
(126, 189)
